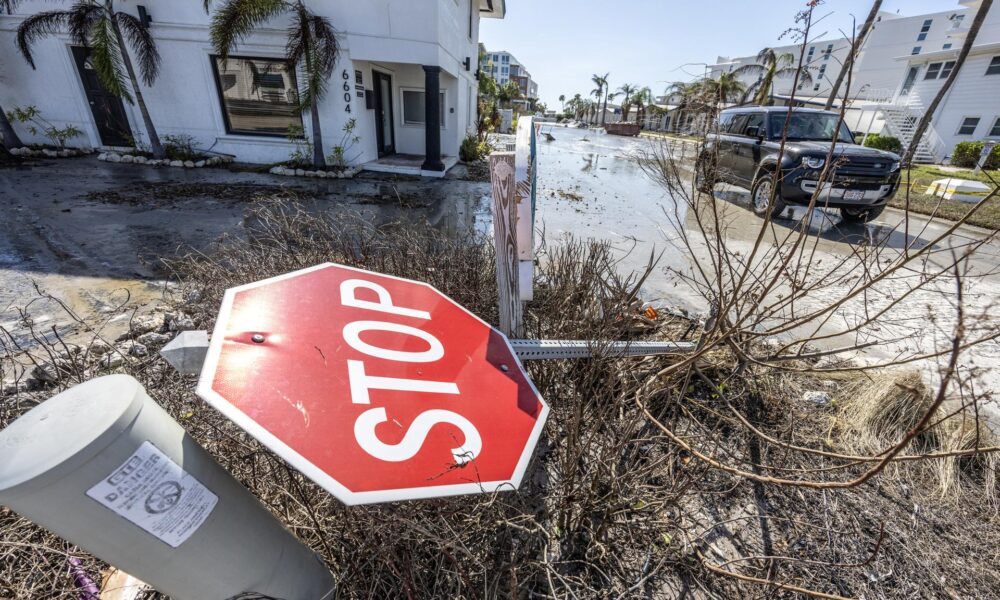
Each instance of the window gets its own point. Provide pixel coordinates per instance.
(822, 71)
(754, 120)
(947, 69)
(994, 68)
(505, 59)
(933, 70)
(911, 76)
(414, 111)
(946, 47)
(816, 88)
(969, 125)
(829, 50)
(259, 96)
(921, 37)
(916, 50)
(995, 130)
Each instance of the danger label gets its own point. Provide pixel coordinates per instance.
(155, 493)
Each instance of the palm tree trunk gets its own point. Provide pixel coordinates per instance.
(853, 55)
(925, 121)
(604, 111)
(147, 121)
(319, 160)
(10, 139)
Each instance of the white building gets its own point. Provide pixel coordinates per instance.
(900, 68)
(398, 59)
(503, 67)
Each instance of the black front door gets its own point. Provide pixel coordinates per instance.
(109, 112)
(384, 131)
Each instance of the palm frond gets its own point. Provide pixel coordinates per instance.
(9, 6)
(237, 19)
(804, 76)
(83, 17)
(106, 57)
(784, 59)
(766, 56)
(139, 38)
(38, 26)
(750, 70)
(312, 43)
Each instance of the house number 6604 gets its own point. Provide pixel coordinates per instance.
(347, 90)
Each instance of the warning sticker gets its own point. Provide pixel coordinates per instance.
(156, 494)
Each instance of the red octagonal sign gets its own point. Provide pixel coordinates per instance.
(375, 387)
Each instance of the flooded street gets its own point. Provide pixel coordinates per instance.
(590, 185)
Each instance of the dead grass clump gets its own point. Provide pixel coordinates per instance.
(878, 409)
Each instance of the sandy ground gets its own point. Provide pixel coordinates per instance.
(91, 233)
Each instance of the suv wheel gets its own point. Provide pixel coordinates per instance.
(861, 214)
(760, 196)
(704, 175)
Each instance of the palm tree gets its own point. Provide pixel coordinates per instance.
(925, 120)
(509, 92)
(853, 55)
(562, 102)
(642, 98)
(771, 65)
(601, 81)
(597, 93)
(727, 88)
(97, 25)
(627, 90)
(311, 44)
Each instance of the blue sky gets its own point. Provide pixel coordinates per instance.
(646, 42)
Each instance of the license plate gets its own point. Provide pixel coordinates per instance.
(854, 194)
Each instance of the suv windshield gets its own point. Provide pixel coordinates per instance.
(808, 126)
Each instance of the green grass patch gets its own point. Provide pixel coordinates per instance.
(921, 176)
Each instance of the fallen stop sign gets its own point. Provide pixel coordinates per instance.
(375, 387)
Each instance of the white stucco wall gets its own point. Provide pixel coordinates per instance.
(397, 36)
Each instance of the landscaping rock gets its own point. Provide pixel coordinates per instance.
(145, 324)
(128, 158)
(176, 163)
(98, 347)
(112, 360)
(51, 372)
(199, 164)
(50, 153)
(817, 397)
(299, 172)
(153, 339)
(132, 348)
(277, 170)
(181, 323)
(189, 164)
(114, 157)
(101, 156)
(141, 160)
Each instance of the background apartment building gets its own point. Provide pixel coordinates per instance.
(397, 57)
(504, 68)
(900, 68)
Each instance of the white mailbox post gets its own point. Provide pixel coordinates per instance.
(105, 467)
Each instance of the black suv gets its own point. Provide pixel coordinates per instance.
(744, 152)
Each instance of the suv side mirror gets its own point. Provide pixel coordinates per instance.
(754, 132)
